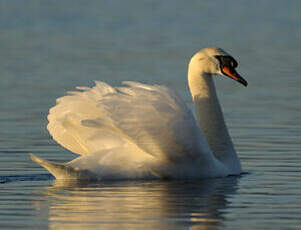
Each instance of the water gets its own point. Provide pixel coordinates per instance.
(50, 47)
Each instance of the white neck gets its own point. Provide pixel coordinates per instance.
(210, 118)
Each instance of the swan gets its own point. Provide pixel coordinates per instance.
(140, 131)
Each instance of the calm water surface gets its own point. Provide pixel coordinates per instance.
(49, 47)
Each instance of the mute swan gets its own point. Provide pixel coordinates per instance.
(141, 131)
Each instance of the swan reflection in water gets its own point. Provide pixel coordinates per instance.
(139, 204)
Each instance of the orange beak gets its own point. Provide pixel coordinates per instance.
(230, 72)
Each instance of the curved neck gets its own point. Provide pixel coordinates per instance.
(210, 118)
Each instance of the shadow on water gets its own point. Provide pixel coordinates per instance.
(136, 204)
(30, 177)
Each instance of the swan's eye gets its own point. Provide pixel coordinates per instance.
(226, 61)
(233, 62)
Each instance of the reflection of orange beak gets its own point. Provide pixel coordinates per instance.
(234, 75)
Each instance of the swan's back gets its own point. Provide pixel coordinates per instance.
(151, 117)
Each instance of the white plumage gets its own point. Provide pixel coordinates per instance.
(132, 131)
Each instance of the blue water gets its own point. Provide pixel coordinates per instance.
(49, 47)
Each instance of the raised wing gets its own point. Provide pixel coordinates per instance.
(152, 117)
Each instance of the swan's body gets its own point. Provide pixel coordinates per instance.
(146, 131)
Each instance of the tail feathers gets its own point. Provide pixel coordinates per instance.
(63, 171)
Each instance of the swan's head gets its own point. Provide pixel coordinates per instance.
(215, 61)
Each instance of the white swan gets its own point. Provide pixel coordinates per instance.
(141, 131)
